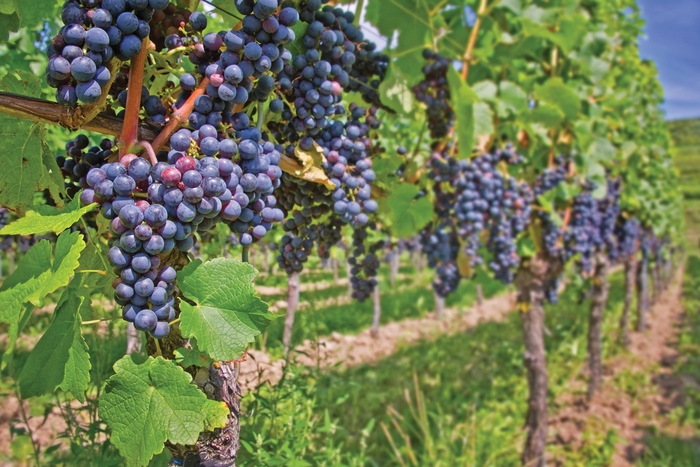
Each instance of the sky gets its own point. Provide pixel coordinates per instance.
(672, 40)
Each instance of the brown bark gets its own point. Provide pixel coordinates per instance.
(630, 280)
(599, 301)
(376, 316)
(642, 294)
(292, 302)
(39, 110)
(532, 279)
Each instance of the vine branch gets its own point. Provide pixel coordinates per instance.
(129, 134)
(472, 39)
(179, 116)
(43, 111)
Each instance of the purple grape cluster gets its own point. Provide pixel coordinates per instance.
(627, 234)
(434, 92)
(479, 197)
(441, 246)
(93, 33)
(79, 158)
(364, 263)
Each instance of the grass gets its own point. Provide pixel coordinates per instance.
(460, 400)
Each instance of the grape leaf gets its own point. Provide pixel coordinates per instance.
(37, 276)
(511, 99)
(33, 12)
(8, 23)
(227, 314)
(148, 402)
(395, 92)
(407, 214)
(44, 218)
(28, 165)
(462, 98)
(7, 7)
(60, 359)
(557, 94)
(189, 357)
(15, 311)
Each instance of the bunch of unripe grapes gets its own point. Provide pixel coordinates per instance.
(93, 33)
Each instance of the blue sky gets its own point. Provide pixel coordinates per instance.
(672, 40)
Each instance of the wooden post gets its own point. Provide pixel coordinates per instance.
(348, 273)
(532, 280)
(394, 265)
(642, 294)
(374, 332)
(599, 301)
(292, 302)
(479, 295)
(133, 339)
(439, 305)
(630, 281)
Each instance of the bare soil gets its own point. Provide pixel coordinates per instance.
(624, 404)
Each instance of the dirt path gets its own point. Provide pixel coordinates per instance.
(363, 348)
(623, 403)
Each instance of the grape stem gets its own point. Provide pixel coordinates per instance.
(179, 116)
(98, 321)
(358, 11)
(244, 254)
(130, 130)
(472, 40)
(261, 115)
(149, 150)
(222, 10)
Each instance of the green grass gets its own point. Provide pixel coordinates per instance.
(352, 318)
(472, 388)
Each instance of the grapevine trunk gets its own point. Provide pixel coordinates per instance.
(599, 301)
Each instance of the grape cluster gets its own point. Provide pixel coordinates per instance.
(479, 197)
(364, 263)
(93, 33)
(627, 233)
(245, 188)
(79, 158)
(441, 246)
(434, 92)
(549, 179)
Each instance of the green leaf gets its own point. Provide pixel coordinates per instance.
(44, 219)
(486, 90)
(7, 7)
(8, 23)
(462, 98)
(557, 94)
(526, 247)
(395, 92)
(483, 119)
(297, 47)
(38, 260)
(28, 165)
(37, 276)
(15, 311)
(60, 359)
(407, 214)
(547, 115)
(511, 99)
(148, 402)
(189, 357)
(33, 12)
(227, 313)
